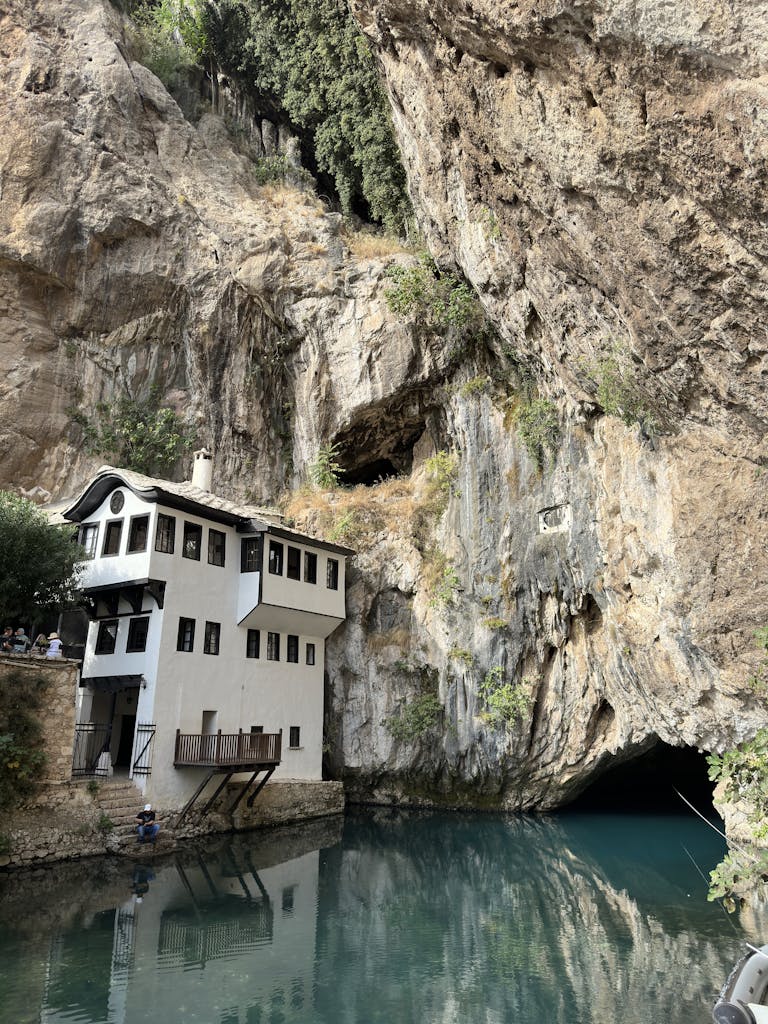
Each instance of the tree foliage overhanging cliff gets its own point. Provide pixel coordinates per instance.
(310, 56)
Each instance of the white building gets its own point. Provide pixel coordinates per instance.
(207, 633)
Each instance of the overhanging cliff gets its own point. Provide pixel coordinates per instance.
(596, 172)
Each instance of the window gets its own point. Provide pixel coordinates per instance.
(293, 569)
(256, 730)
(112, 537)
(292, 653)
(294, 737)
(332, 574)
(165, 535)
(310, 567)
(211, 639)
(186, 637)
(137, 535)
(250, 554)
(273, 647)
(253, 643)
(193, 540)
(216, 543)
(87, 537)
(310, 654)
(107, 636)
(275, 558)
(288, 899)
(137, 634)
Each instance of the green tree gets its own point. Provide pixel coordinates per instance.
(308, 59)
(38, 570)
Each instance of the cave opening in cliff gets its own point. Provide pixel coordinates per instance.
(369, 454)
(648, 784)
(369, 474)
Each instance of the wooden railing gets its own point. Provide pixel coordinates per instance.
(221, 749)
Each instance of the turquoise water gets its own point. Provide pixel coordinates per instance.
(382, 917)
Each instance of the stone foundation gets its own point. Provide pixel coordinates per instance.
(58, 722)
(280, 803)
(64, 822)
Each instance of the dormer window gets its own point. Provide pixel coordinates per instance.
(165, 533)
(332, 574)
(250, 554)
(112, 536)
(193, 541)
(138, 533)
(216, 544)
(310, 567)
(293, 568)
(275, 558)
(88, 536)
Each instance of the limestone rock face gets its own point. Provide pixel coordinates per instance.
(597, 173)
(138, 250)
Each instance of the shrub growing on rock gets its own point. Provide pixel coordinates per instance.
(21, 751)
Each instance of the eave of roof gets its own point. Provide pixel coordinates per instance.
(186, 498)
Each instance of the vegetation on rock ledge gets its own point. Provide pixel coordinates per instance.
(309, 59)
(137, 434)
(21, 750)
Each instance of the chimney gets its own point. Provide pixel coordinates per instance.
(202, 470)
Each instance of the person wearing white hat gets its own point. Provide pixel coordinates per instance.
(54, 646)
(147, 826)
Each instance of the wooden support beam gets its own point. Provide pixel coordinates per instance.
(259, 788)
(194, 797)
(227, 777)
(243, 791)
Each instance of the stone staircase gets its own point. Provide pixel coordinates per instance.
(120, 801)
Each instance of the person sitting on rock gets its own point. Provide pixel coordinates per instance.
(147, 825)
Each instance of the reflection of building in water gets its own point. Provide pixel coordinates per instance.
(216, 940)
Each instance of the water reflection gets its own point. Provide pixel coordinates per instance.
(403, 918)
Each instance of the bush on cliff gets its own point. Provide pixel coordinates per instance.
(21, 736)
(308, 60)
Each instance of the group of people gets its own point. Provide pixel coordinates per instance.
(17, 642)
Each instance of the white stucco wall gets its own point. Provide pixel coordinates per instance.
(179, 686)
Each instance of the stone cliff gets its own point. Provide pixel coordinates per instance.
(596, 171)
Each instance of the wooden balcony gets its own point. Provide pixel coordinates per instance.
(241, 751)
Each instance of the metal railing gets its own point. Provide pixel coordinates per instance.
(220, 749)
(91, 740)
(145, 734)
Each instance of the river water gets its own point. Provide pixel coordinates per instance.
(384, 916)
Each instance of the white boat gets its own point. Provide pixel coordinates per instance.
(744, 998)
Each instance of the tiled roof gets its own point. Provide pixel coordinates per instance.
(186, 495)
(186, 489)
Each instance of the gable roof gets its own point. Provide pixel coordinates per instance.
(186, 497)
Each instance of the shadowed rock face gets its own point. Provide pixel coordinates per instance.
(596, 174)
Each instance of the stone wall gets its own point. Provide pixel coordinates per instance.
(65, 822)
(282, 802)
(61, 677)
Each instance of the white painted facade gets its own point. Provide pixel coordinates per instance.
(191, 683)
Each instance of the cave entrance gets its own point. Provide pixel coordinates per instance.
(647, 784)
(369, 474)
